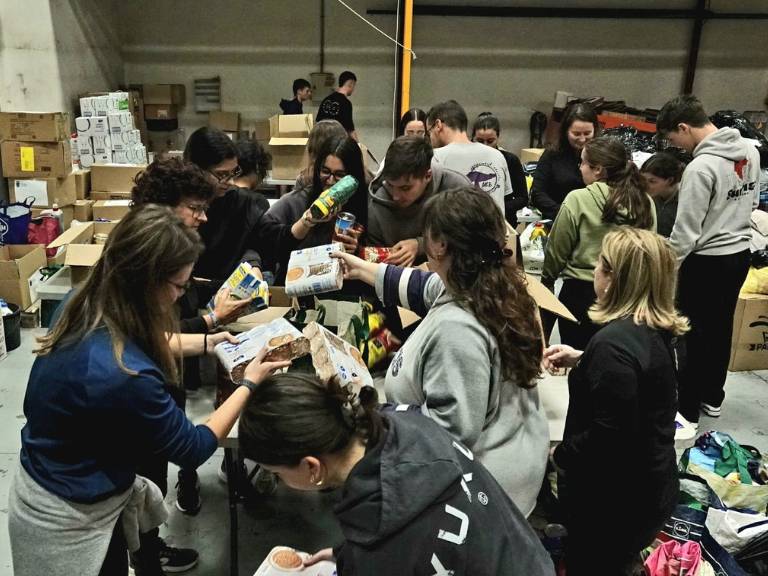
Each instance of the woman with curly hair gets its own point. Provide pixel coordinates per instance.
(473, 361)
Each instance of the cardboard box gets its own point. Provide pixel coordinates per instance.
(118, 103)
(161, 111)
(115, 177)
(36, 159)
(288, 140)
(87, 108)
(82, 184)
(84, 146)
(227, 121)
(125, 140)
(18, 264)
(749, 344)
(94, 126)
(530, 155)
(45, 191)
(83, 210)
(90, 160)
(261, 130)
(100, 195)
(110, 209)
(81, 253)
(34, 126)
(68, 214)
(120, 122)
(164, 94)
(133, 155)
(101, 145)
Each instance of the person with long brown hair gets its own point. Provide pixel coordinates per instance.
(623, 400)
(615, 194)
(96, 405)
(473, 361)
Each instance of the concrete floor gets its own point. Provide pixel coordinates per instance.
(303, 521)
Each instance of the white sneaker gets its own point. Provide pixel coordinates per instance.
(684, 431)
(710, 410)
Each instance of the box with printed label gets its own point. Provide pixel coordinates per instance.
(87, 109)
(82, 184)
(84, 145)
(133, 155)
(160, 111)
(96, 126)
(749, 343)
(34, 126)
(83, 210)
(118, 102)
(110, 209)
(120, 122)
(125, 140)
(18, 264)
(115, 177)
(164, 94)
(36, 159)
(101, 145)
(45, 191)
(91, 160)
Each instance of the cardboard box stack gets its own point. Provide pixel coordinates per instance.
(288, 139)
(111, 186)
(161, 105)
(107, 131)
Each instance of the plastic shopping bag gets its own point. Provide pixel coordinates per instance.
(14, 221)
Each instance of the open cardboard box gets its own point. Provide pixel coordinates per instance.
(749, 343)
(81, 252)
(288, 138)
(18, 263)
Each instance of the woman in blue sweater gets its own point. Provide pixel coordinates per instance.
(96, 406)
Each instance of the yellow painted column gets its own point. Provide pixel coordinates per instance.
(405, 85)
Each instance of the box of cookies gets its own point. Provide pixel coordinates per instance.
(279, 337)
(282, 560)
(333, 357)
(243, 284)
(313, 271)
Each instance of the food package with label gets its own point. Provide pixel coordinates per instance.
(243, 284)
(282, 560)
(313, 271)
(282, 341)
(334, 358)
(375, 254)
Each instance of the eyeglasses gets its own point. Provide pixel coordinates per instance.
(225, 176)
(430, 128)
(198, 209)
(326, 172)
(181, 287)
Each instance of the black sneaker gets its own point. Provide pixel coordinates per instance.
(177, 559)
(188, 492)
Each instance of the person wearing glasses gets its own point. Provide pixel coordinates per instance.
(97, 405)
(233, 213)
(288, 225)
(413, 123)
(397, 197)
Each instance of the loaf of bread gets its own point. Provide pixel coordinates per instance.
(282, 341)
(333, 357)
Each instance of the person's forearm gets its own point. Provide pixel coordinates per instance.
(367, 272)
(222, 420)
(184, 345)
(300, 229)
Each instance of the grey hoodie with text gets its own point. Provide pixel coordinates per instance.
(719, 190)
(388, 223)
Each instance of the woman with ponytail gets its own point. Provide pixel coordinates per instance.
(615, 194)
(412, 500)
(473, 361)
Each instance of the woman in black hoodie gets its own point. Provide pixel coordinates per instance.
(413, 500)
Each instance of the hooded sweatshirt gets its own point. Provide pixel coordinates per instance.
(291, 106)
(388, 223)
(419, 503)
(577, 235)
(719, 190)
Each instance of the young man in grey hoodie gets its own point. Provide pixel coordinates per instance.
(718, 192)
(397, 197)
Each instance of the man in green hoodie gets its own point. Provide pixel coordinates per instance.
(718, 192)
(397, 197)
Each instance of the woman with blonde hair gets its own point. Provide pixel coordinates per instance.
(623, 401)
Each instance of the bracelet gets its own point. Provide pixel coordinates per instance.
(214, 319)
(248, 384)
(205, 344)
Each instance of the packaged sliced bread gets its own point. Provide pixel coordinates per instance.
(333, 357)
(313, 271)
(279, 337)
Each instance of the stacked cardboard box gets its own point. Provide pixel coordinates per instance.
(111, 189)
(107, 131)
(161, 105)
(228, 122)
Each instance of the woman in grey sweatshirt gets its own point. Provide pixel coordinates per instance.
(471, 364)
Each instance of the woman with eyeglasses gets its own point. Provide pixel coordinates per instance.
(233, 214)
(289, 224)
(96, 406)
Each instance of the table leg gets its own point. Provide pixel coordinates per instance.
(232, 479)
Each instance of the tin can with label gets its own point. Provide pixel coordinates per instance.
(344, 223)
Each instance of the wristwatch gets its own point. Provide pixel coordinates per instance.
(248, 384)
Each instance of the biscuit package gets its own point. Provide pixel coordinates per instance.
(313, 271)
(279, 337)
(243, 284)
(282, 559)
(375, 254)
(333, 357)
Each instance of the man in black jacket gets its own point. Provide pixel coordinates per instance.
(302, 92)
